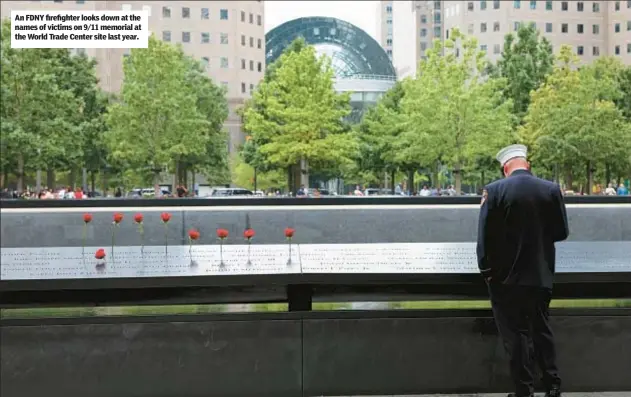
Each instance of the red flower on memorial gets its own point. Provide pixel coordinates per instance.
(117, 218)
(248, 234)
(138, 219)
(222, 234)
(100, 253)
(193, 234)
(87, 218)
(165, 216)
(289, 233)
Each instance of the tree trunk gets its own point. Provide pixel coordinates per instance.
(392, 181)
(50, 177)
(569, 178)
(590, 175)
(290, 179)
(607, 174)
(20, 173)
(104, 181)
(72, 179)
(93, 181)
(458, 178)
(410, 186)
(304, 172)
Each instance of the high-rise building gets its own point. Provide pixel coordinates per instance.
(407, 29)
(228, 37)
(592, 28)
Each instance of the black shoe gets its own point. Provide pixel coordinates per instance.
(554, 392)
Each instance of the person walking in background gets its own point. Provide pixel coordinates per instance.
(610, 191)
(521, 217)
(622, 190)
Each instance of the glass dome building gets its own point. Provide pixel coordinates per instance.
(361, 65)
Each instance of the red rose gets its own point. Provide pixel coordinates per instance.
(138, 218)
(248, 233)
(222, 233)
(100, 253)
(289, 232)
(118, 217)
(165, 216)
(193, 234)
(87, 218)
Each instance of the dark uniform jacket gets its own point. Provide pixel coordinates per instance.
(521, 218)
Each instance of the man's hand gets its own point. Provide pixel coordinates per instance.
(488, 279)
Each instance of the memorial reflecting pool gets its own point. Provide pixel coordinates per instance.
(281, 307)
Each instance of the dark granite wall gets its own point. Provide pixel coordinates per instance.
(52, 228)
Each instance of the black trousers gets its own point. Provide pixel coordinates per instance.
(521, 314)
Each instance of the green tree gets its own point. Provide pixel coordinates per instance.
(302, 120)
(211, 103)
(453, 114)
(40, 115)
(244, 175)
(573, 122)
(157, 121)
(526, 60)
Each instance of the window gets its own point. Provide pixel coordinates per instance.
(223, 62)
(628, 5)
(423, 32)
(259, 20)
(389, 21)
(595, 51)
(579, 50)
(251, 42)
(243, 64)
(516, 26)
(496, 26)
(316, 31)
(389, 42)
(617, 6)
(483, 4)
(548, 6)
(243, 88)
(389, 9)
(186, 12)
(223, 38)
(437, 31)
(205, 13)
(205, 62)
(389, 52)
(579, 6)
(447, 34)
(470, 29)
(596, 8)
(242, 16)
(423, 18)
(252, 65)
(628, 26)
(243, 40)
(205, 37)
(564, 28)
(259, 66)
(470, 6)
(564, 6)
(533, 4)
(496, 4)
(437, 5)
(166, 36)
(517, 4)
(533, 25)
(186, 37)
(595, 29)
(483, 27)
(166, 12)
(423, 46)
(579, 28)
(251, 88)
(251, 18)
(628, 44)
(496, 48)
(223, 14)
(483, 48)
(616, 50)
(259, 43)
(548, 27)
(616, 28)
(437, 17)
